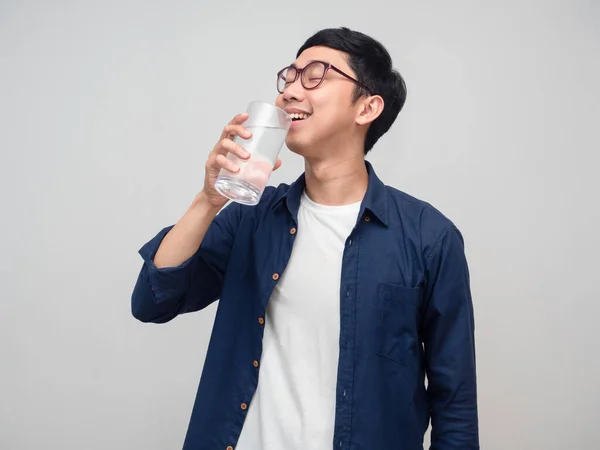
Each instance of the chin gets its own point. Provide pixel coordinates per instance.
(307, 147)
(296, 147)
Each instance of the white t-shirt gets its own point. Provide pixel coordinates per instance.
(294, 404)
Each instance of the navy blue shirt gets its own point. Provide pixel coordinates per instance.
(405, 312)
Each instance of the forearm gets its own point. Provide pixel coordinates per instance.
(188, 273)
(185, 238)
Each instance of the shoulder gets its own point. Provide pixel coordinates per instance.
(419, 218)
(413, 208)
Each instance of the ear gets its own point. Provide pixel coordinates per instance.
(369, 109)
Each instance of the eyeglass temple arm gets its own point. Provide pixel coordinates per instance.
(350, 78)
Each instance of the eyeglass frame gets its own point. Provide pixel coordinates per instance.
(327, 67)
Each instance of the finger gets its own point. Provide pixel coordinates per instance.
(224, 163)
(239, 119)
(232, 130)
(228, 146)
(277, 164)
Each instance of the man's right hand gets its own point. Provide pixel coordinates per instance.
(217, 159)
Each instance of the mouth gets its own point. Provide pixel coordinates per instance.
(296, 117)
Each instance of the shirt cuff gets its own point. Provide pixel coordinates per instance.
(168, 282)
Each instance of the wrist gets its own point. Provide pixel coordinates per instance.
(202, 203)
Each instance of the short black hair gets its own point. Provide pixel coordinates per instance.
(372, 64)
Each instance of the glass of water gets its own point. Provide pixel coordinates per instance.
(269, 126)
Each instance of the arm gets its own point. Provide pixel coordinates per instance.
(185, 237)
(184, 265)
(449, 344)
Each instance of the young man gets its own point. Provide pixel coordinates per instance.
(337, 294)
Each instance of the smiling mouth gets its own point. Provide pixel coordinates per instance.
(296, 117)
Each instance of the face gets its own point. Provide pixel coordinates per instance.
(332, 118)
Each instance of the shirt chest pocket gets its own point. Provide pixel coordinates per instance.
(397, 336)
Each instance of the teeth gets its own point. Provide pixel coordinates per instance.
(299, 116)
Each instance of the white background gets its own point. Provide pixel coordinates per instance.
(109, 109)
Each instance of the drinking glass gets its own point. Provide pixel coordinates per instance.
(269, 126)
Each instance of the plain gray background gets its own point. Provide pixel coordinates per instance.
(107, 113)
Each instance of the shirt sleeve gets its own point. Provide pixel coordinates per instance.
(161, 294)
(449, 345)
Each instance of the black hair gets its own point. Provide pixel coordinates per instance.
(372, 65)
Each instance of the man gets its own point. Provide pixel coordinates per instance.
(337, 294)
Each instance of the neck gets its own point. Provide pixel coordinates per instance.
(336, 182)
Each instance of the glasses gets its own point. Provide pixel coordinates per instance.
(311, 76)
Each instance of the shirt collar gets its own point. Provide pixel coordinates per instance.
(375, 199)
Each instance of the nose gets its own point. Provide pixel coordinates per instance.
(294, 92)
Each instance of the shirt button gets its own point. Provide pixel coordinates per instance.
(293, 231)
(255, 363)
(367, 219)
(276, 276)
(244, 406)
(229, 448)
(261, 320)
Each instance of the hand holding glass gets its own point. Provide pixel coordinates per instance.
(269, 126)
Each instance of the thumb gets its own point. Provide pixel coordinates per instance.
(277, 164)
